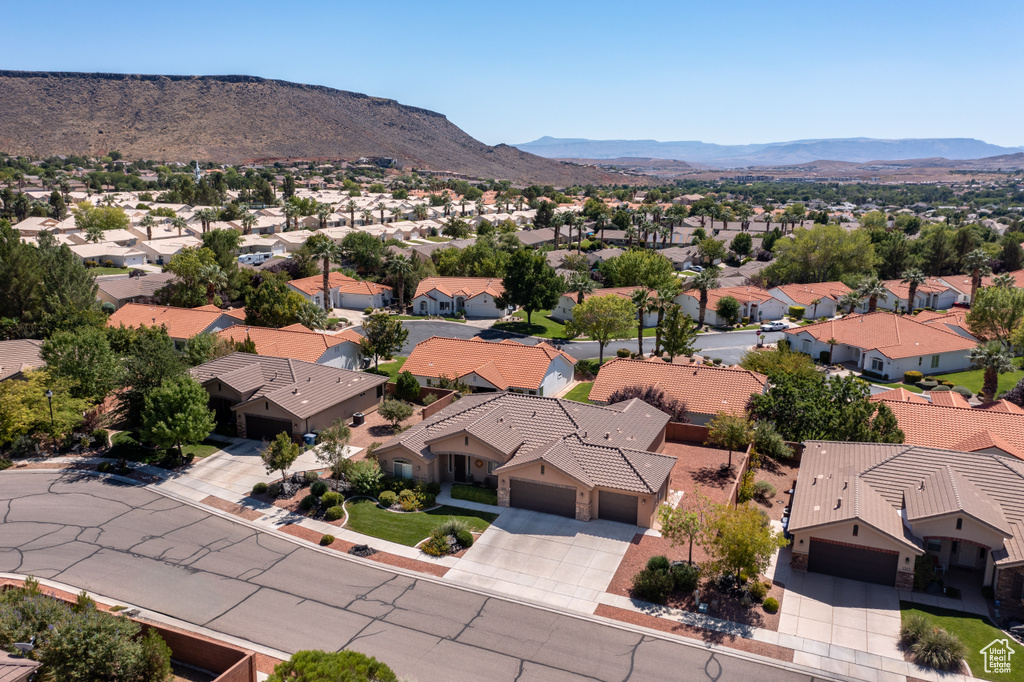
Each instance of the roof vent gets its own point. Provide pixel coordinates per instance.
(339, 380)
(584, 434)
(295, 391)
(845, 484)
(607, 435)
(839, 503)
(921, 487)
(308, 379)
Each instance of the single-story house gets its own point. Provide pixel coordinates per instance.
(706, 391)
(934, 293)
(160, 251)
(827, 295)
(955, 320)
(299, 343)
(545, 454)
(866, 511)
(566, 302)
(475, 296)
(130, 289)
(115, 236)
(682, 257)
(33, 225)
(255, 244)
(267, 396)
(493, 366)
(181, 323)
(345, 292)
(540, 236)
(293, 240)
(18, 356)
(756, 303)
(102, 253)
(885, 344)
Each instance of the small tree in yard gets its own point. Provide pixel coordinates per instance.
(395, 411)
(678, 332)
(333, 444)
(730, 432)
(279, 454)
(177, 413)
(682, 525)
(383, 336)
(602, 318)
(407, 388)
(739, 540)
(655, 397)
(334, 666)
(728, 310)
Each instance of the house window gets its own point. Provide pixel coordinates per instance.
(920, 360)
(451, 463)
(934, 546)
(491, 466)
(856, 529)
(959, 524)
(876, 365)
(935, 361)
(541, 469)
(467, 440)
(403, 469)
(444, 305)
(981, 552)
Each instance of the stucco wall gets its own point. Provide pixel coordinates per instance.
(866, 537)
(344, 355)
(367, 402)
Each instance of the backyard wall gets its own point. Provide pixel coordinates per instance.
(686, 433)
(445, 397)
(734, 491)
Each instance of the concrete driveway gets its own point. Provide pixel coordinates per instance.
(548, 559)
(849, 615)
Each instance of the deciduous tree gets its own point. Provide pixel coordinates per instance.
(279, 454)
(383, 336)
(530, 283)
(602, 318)
(739, 540)
(177, 414)
(83, 357)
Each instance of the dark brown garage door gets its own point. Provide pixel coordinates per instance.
(550, 499)
(265, 428)
(855, 563)
(616, 507)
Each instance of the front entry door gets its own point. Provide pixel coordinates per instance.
(460, 467)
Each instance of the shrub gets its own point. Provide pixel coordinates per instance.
(275, 489)
(763, 490)
(367, 311)
(100, 438)
(308, 502)
(758, 591)
(326, 540)
(622, 352)
(685, 577)
(716, 361)
(429, 399)
(387, 498)
(770, 605)
(587, 368)
(366, 476)
(259, 489)
(334, 513)
(939, 649)
(310, 477)
(824, 357)
(924, 572)
(451, 526)
(410, 501)
(653, 586)
(407, 388)
(912, 377)
(913, 628)
(962, 390)
(331, 499)
(942, 387)
(322, 666)
(768, 442)
(658, 563)
(436, 545)
(318, 488)
(927, 385)
(746, 491)
(797, 311)
(465, 539)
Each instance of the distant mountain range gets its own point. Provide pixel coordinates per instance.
(853, 150)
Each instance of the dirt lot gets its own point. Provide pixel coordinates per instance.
(698, 468)
(376, 429)
(782, 476)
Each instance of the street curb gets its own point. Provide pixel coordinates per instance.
(599, 620)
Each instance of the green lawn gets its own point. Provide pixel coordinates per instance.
(437, 239)
(394, 368)
(366, 517)
(972, 379)
(541, 325)
(423, 317)
(580, 392)
(108, 271)
(472, 493)
(973, 630)
(204, 449)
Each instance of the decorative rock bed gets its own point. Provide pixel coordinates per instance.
(363, 551)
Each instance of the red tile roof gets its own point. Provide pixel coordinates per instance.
(705, 390)
(803, 294)
(467, 287)
(621, 292)
(949, 399)
(959, 428)
(895, 336)
(181, 323)
(900, 290)
(295, 342)
(343, 283)
(1001, 406)
(742, 294)
(507, 364)
(901, 395)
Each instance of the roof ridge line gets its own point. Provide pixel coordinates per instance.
(955, 487)
(618, 448)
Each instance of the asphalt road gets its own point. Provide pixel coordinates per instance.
(130, 543)
(728, 346)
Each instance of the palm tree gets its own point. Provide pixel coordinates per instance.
(214, 278)
(381, 207)
(995, 359)
(291, 211)
(814, 310)
(641, 298)
(206, 216)
(447, 206)
(556, 222)
(703, 282)
(351, 206)
(850, 300)
(94, 233)
(311, 316)
(831, 345)
(976, 263)
(664, 297)
(323, 212)
(873, 289)
(581, 284)
(630, 233)
(599, 224)
(396, 213)
(767, 221)
(913, 277)
(367, 217)
(665, 231)
(400, 268)
(419, 211)
(248, 221)
(1004, 281)
(322, 248)
(148, 222)
(179, 223)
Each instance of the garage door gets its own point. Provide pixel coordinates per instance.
(265, 428)
(550, 499)
(855, 563)
(616, 507)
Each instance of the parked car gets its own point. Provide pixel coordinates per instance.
(697, 268)
(773, 326)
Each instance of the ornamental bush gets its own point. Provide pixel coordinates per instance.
(331, 499)
(763, 490)
(318, 488)
(658, 563)
(259, 489)
(962, 390)
(913, 628)
(465, 538)
(322, 666)
(387, 498)
(326, 540)
(685, 577)
(939, 649)
(758, 591)
(942, 387)
(770, 605)
(308, 502)
(653, 585)
(797, 311)
(335, 513)
(912, 377)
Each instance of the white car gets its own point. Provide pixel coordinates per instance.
(773, 326)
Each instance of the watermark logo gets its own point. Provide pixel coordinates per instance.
(997, 656)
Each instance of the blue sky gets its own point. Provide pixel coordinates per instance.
(725, 72)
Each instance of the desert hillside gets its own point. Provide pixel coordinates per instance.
(233, 118)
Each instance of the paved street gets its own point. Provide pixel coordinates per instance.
(728, 346)
(130, 543)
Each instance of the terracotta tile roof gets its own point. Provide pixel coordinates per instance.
(1001, 406)
(621, 292)
(300, 388)
(895, 336)
(181, 323)
(507, 364)
(467, 287)
(803, 294)
(955, 320)
(19, 355)
(289, 342)
(949, 399)
(900, 395)
(900, 290)
(747, 294)
(705, 390)
(941, 426)
(343, 283)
